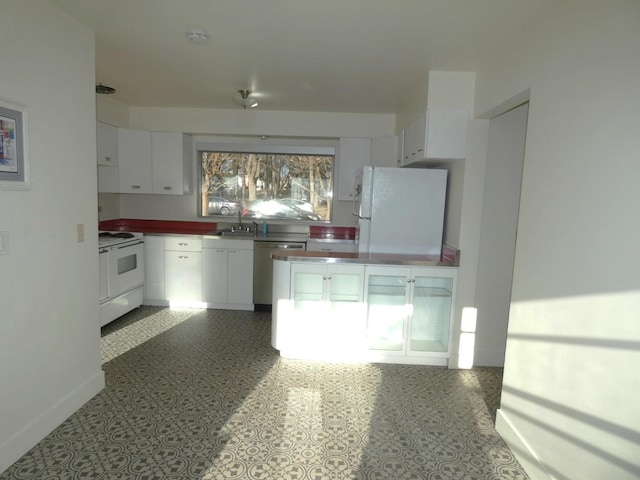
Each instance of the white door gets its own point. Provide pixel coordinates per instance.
(501, 203)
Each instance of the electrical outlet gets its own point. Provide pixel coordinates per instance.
(80, 232)
(4, 243)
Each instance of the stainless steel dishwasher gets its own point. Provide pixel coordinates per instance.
(263, 270)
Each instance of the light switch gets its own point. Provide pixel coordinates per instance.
(4, 243)
(80, 232)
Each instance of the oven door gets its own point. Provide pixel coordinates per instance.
(126, 267)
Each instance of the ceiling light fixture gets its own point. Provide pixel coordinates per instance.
(245, 99)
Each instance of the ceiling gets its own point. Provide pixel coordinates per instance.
(359, 56)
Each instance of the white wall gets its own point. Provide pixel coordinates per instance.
(570, 405)
(464, 223)
(49, 324)
(262, 122)
(451, 90)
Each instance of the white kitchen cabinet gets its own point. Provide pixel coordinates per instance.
(384, 151)
(326, 318)
(154, 269)
(154, 162)
(227, 279)
(320, 246)
(107, 148)
(240, 276)
(353, 154)
(107, 144)
(134, 152)
(436, 134)
(215, 266)
(108, 179)
(171, 158)
(409, 312)
(363, 312)
(183, 269)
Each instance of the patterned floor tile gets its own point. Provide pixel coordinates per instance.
(200, 394)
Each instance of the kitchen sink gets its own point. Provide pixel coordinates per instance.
(236, 234)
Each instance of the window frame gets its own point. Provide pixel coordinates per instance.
(202, 147)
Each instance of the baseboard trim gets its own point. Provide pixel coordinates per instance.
(520, 448)
(42, 425)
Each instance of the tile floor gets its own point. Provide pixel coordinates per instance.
(201, 395)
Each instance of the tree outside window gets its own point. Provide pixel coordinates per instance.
(296, 187)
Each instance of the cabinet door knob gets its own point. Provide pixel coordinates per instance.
(136, 187)
(168, 188)
(182, 257)
(108, 159)
(183, 244)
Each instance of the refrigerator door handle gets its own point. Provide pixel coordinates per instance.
(355, 213)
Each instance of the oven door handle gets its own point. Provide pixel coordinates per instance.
(130, 245)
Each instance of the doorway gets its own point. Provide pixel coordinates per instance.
(500, 208)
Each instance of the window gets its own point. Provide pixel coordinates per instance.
(267, 185)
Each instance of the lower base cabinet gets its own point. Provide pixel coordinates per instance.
(390, 314)
(194, 271)
(227, 277)
(183, 270)
(327, 310)
(409, 312)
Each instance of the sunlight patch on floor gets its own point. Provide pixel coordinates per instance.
(133, 335)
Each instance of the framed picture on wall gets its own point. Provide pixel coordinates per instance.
(14, 147)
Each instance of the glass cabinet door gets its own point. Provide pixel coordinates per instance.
(387, 312)
(346, 287)
(307, 286)
(429, 329)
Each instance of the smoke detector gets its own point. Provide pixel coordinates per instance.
(197, 36)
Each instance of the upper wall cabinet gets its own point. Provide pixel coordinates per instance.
(134, 149)
(354, 153)
(107, 147)
(145, 162)
(436, 134)
(171, 155)
(384, 151)
(107, 144)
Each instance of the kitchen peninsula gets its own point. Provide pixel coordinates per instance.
(389, 308)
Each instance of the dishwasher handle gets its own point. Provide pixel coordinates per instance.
(280, 245)
(290, 246)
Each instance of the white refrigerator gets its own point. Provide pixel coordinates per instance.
(401, 210)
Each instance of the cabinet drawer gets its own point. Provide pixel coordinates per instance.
(326, 247)
(233, 243)
(183, 244)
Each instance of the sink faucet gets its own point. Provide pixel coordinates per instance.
(255, 227)
(240, 218)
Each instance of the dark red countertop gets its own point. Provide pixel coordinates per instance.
(320, 232)
(328, 232)
(158, 226)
